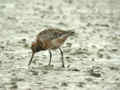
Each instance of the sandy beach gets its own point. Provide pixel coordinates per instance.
(92, 56)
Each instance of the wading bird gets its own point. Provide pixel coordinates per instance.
(50, 39)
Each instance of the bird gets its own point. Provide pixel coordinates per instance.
(50, 39)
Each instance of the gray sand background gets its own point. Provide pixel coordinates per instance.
(92, 56)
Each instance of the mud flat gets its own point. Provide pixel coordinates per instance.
(92, 56)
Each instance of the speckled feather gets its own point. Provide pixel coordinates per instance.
(50, 34)
(52, 38)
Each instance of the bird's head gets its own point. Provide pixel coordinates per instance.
(35, 47)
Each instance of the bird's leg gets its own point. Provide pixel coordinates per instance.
(50, 58)
(62, 57)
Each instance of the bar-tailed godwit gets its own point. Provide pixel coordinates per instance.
(50, 39)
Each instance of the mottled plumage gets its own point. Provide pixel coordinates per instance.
(50, 39)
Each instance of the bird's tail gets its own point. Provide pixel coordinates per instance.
(71, 32)
(67, 33)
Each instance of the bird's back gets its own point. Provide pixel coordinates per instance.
(50, 34)
(52, 38)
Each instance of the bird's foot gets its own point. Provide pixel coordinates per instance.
(63, 66)
(50, 65)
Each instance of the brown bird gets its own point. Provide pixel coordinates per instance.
(50, 39)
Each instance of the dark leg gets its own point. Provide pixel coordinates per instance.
(50, 58)
(62, 57)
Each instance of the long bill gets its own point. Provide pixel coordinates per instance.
(31, 58)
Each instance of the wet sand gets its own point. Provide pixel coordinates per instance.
(92, 56)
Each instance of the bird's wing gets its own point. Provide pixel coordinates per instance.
(50, 34)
